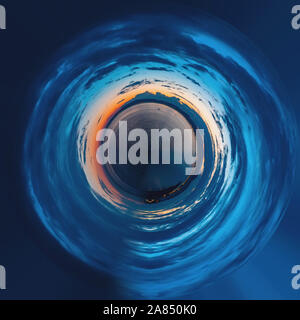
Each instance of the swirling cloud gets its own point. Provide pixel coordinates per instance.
(211, 74)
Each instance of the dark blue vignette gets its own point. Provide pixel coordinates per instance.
(219, 222)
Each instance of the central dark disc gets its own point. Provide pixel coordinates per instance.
(152, 182)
